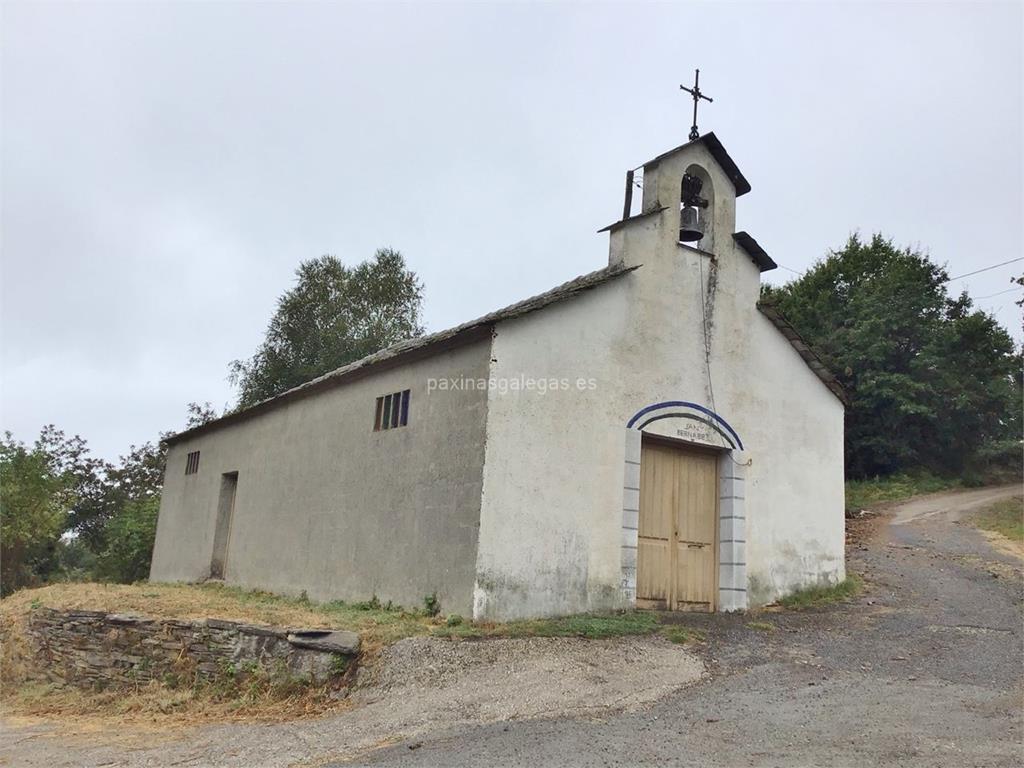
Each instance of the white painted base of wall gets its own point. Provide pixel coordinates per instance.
(630, 515)
(732, 539)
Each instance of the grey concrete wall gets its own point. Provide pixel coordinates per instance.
(326, 505)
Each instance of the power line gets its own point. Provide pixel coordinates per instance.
(985, 269)
(1008, 290)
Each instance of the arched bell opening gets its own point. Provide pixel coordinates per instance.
(696, 209)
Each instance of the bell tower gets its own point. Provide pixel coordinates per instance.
(689, 198)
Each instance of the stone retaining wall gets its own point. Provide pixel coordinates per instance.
(96, 649)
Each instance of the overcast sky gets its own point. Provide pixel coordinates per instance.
(166, 167)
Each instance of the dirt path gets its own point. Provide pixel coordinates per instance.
(419, 686)
(951, 506)
(924, 669)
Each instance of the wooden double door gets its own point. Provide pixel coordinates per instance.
(676, 568)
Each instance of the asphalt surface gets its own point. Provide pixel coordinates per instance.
(923, 669)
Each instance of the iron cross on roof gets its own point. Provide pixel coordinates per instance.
(697, 96)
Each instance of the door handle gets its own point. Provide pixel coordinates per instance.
(692, 545)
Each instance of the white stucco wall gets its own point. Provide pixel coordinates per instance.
(795, 495)
(551, 508)
(551, 514)
(327, 506)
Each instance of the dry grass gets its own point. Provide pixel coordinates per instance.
(156, 704)
(377, 625)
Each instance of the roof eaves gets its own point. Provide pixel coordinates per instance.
(623, 222)
(755, 251)
(422, 346)
(810, 357)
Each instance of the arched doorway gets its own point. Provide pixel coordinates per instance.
(683, 513)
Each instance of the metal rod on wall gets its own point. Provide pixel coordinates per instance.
(627, 206)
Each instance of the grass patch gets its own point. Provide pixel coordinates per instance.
(585, 625)
(864, 494)
(764, 626)
(814, 597)
(1005, 517)
(683, 635)
(593, 626)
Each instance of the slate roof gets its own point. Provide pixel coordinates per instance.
(714, 146)
(756, 252)
(804, 350)
(410, 348)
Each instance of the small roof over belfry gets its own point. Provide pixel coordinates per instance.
(714, 146)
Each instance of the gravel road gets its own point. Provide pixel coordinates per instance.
(923, 670)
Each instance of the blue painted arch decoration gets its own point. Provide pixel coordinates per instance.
(682, 409)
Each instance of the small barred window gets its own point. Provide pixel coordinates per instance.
(192, 463)
(392, 411)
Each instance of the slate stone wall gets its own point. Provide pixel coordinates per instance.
(96, 649)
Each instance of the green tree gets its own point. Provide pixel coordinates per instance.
(198, 414)
(38, 485)
(66, 514)
(121, 538)
(333, 316)
(932, 381)
(139, 475)
(129, 540)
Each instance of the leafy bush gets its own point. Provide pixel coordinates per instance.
(431, 605)
(373, 604)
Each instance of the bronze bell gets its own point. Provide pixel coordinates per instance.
(691, 229)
